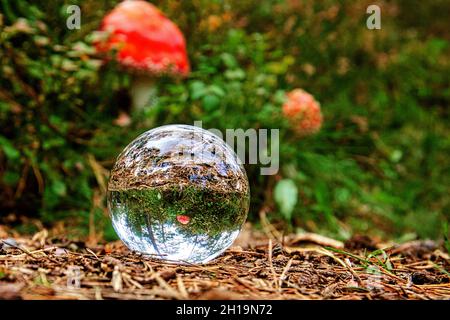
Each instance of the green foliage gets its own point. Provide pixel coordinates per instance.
(379, 166)
(210, 212)
(446, 237)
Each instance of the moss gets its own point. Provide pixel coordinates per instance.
(211, 212)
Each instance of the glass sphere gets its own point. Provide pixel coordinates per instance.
(178, 193)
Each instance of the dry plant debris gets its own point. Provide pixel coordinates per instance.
(299, 267)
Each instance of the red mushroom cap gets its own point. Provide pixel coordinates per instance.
(183, 219)
(145, 39)
(303, 112)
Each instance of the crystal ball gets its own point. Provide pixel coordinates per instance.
(178, 193)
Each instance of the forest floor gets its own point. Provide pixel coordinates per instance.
(307, 266)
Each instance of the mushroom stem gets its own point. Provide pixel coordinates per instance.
(142, 89)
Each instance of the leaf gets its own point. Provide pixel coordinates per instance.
(229, 60)
(342, 195)
(236, 74)
(59, 188)
(218, 91)
(210, 102)
(286, 196)
(11, 178)
(446, 238)
(197, 89)
(53, 142)
(9, 150)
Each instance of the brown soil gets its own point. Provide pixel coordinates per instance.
(298, 267)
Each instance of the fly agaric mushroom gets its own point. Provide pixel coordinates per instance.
(183, 219)
(147, 43)
(303, 112)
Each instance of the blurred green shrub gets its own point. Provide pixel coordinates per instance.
(380, 164)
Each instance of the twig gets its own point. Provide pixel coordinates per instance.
(181, 287)
(18, 247)
(276, 280)
(92, 252)
(285, 270)
(344, 264)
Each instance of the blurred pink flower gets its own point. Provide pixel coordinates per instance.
(303, 112)
(123, 120)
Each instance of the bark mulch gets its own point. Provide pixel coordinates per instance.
(305, 266)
